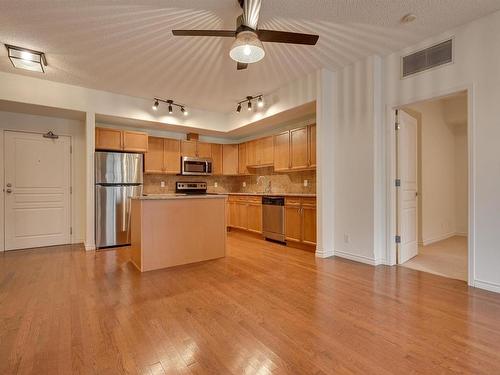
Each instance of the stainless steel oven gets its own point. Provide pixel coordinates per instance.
(196, 166)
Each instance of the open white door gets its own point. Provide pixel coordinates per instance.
(407, 191)
(37, 190)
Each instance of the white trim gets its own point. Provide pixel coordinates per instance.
(391, 172)
(359, 258)
(89, 247)
(441, 237)
(492, 287)
(325, 253)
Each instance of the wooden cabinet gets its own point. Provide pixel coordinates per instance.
(295, 149)
(245, 212)
(163, 156)
(282, 151)
(260, 152)
(312, 146)
(230, 159)
(299, 149)
(242, 158)
(135, 141)
(203, 150)
(107, 139)
(216, 152)
(188, 148)
(300, 220)
(154, 158)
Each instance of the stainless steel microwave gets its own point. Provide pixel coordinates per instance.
(196, 166)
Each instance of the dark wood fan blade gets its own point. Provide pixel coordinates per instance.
(287, 37)
(241, 66)
(221, 33)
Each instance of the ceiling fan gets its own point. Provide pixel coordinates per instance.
(247, 47)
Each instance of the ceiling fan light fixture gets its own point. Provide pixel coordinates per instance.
(247, 48)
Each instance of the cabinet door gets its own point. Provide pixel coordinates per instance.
(204, 150)
(254, 212)
(135, 141)
(298, 148)
(265, 151)
(172, 155)
(242, 211)
(251, 158)
(242, 158)
(312, 146)
(216, 159)
(153, 159)
(293, 225)
(188, 148)
(309, 225)
(230, 159)
(282, 151)
(108, 139)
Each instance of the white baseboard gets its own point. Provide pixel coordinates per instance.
(461, 234)
(442, 237)
(492, 287)
(89, 247)
(359, 258)
(325, 253)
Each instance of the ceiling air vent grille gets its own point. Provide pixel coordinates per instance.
(428, 58)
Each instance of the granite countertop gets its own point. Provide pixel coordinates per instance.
(273, 194)
(150, 197)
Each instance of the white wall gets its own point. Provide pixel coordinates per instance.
(42, 124)
(477, 60)
(437, 164)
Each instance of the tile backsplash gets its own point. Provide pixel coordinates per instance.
(291, 182)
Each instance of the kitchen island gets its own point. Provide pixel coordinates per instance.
(174, 229)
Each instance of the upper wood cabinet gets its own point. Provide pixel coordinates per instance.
(108, 139)
(260, 152)
(295, 149)
(203, 150)
(282, 151)
(242, 158)
(299, 148)
(230, 159)
(188, 148)
(163, 156)
(135, 141)
(120, 140)
(216, 152)
(312, 146)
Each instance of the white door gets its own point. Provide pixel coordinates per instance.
(407, 192)
(37, 190)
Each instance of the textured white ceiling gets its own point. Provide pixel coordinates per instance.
(127, 47)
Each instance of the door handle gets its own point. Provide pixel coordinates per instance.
(9, 184)
(8, 191)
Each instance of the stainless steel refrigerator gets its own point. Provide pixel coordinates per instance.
(118, 177)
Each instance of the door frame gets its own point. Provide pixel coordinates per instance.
(2, 181)
(391, 158)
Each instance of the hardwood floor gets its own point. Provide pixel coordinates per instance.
(262, 309)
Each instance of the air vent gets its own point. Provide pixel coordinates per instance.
(428, 58)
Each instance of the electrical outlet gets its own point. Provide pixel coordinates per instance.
(306, 183)
(162, 184)
(215, 184)
(346, 237)
(244, 184)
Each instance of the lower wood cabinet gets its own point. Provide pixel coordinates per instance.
(300, 220)
(245, 212)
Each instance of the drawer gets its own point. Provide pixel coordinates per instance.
(292, 201)
(309, 201)
(253, 199)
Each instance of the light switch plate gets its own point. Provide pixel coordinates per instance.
(244, 184)
(306, 183)
(162, 184)
(215, 184)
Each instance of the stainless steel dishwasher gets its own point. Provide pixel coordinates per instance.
(273, 218)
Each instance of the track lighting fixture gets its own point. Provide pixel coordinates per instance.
(249, 100)
(171, 105)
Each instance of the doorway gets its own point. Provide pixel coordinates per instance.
(37, 181)
(432, 199)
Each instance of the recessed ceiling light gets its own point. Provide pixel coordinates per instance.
(23, 58)
(407, 18)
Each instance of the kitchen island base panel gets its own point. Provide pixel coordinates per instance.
(172, 232)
